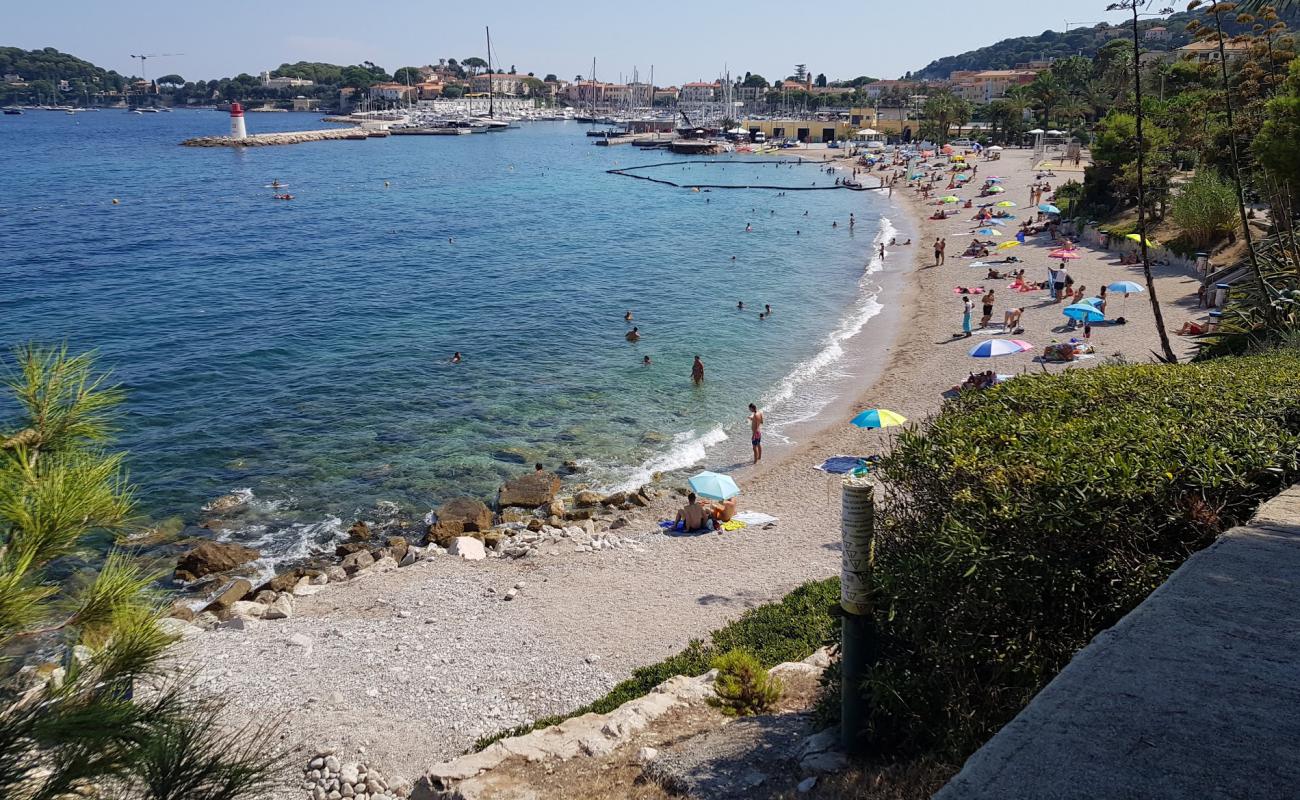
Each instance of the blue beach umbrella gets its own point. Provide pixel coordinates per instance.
(1048, 208)
(989, 232)
(1125, 287)
(991, 348)
(1082, 312)
(878, 418)
(1092, 301)
(714, 486)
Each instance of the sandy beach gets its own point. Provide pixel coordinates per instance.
(409, 667)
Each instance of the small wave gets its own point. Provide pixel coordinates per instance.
(687, 449)
(282, 544)
(864, 309)
(245, 496)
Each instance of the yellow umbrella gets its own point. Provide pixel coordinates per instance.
(1138, 237)
(958, 158)
(1006, 204)
(1006, 245)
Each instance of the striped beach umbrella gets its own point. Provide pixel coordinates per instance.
(992, 348)
(989, 232)
(878, 418)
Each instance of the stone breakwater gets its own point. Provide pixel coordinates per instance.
(269, 139)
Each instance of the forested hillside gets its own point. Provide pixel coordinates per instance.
(1077, 41)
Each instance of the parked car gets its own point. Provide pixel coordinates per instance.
(962, 143)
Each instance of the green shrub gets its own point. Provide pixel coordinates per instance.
(743, 686)
(788, 630)
(1206, 208)
(1024, 520)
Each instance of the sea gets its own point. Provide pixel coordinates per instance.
(299, 352)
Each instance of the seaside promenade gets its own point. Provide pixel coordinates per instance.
(409, 667)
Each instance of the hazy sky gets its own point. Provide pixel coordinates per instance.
(683, 40)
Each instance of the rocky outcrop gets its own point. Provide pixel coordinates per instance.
(459, 517)
(529, 491)
(211, 557)
(468, 548)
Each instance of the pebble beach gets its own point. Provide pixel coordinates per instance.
(404, 667)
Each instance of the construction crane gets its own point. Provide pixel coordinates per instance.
(147, 56)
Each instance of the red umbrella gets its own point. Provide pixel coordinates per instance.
(1067, 255)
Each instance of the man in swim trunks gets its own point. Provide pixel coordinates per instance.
(633, 335)
(756, 431)
(693, 516)
(697, 371)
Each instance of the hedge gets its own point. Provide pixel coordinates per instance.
(787, 630)
(1022, 521)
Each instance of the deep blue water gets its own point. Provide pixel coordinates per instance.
(300, 349)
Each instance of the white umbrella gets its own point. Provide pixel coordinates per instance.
(995, 147)
(1055, 133)
(1037, 131)
(868, 132)
(737, 130)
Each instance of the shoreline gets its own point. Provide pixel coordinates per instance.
(407, 667)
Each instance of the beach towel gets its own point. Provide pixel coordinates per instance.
(840, 465)
(732, 525)
(968, 290)
(755, 518)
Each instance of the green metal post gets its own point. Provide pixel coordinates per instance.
(858, 636)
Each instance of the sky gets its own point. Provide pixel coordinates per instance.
(684, 40)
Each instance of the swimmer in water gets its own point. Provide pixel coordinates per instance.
(633, 335)
(761, 316)
(768, 309)
(645, 362)
(455, 357)
(628, 316)
(385, 184)
(748, 227)
(450, 240)
(834, 224)
(796, 233)
(740, 305)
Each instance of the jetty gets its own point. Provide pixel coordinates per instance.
(289, 137)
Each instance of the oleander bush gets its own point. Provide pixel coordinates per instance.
(787, 630)
(742, 686)
(1023, 520)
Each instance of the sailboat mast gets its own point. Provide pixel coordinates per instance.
(491, 105)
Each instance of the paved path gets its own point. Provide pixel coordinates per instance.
(1195, 694)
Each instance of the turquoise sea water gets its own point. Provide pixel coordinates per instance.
(300, 349)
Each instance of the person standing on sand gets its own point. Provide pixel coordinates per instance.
(987, 309)
(697, 371)
(943, 248)
(937, 252)
(882, 251)
(756, 431)
(967, 308)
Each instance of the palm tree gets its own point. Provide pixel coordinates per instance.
(1133, 5)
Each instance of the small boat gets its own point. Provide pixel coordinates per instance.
(14, 112)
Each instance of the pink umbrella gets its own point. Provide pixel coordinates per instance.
(1065, 255)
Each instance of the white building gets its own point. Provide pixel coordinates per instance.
(699, 92)
(284, 83)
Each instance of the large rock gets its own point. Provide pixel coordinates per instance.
(358, 560)
(229, 594)
(587, 497)
(282, 608)
(397, 547)
(468, 548)
(211, 557)
(284, 582)
(615, 499)
(458, 517)
(529, 491)
(359, 531)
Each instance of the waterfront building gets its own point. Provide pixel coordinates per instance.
(284, 83)
(392, 92)
(700, 92)
(506, 84)
(983, 86)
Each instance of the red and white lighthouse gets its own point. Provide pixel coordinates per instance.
(237, 129)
